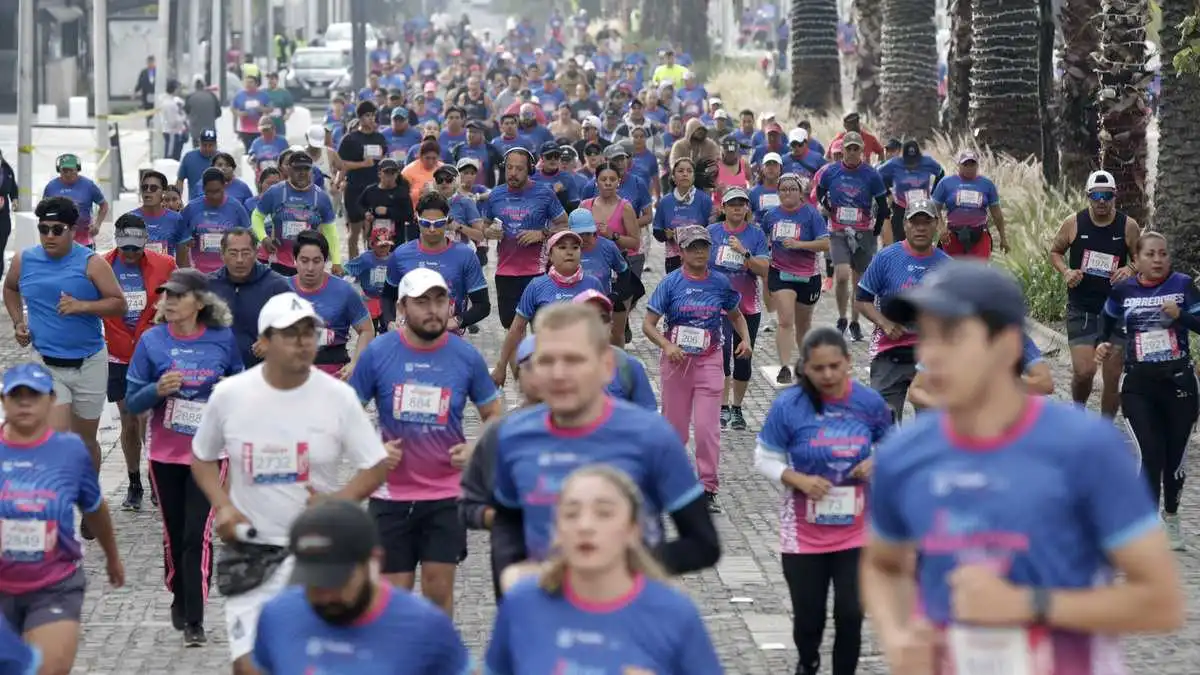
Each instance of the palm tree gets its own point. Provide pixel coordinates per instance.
(692, 28)
(1176, 200)
(957, 111)
(1005, 107)
(1123, 102)
(908, 91)
(816, 75)
(1079, 142)
(868, 23)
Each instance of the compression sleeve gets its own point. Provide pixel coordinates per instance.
(145, 398)
(697, 547)
(478, 308)
(330, 230)
(258, 224)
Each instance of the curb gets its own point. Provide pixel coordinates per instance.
(1050, 341)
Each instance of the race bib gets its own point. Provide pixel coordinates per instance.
(382, 224)
(1156, 345)
(727, 257)
(276, 464)
(252, 104)
(691, 338)
(27, 540)
(210, 242)
(785, 230)
(324, 337)
(135, 301)
(156, 247)
(372, 151)
(293, 228)
(421, 404)
(378, 276)
(1098, 264)
(183, 416)
(911, 196)
(970, 198)
(400, 154)
(847, 215)
(768, 200)
(840, 506)
(978, 650)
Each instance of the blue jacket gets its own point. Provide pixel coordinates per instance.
(246, 300)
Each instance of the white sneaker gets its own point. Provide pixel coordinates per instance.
(1174, 532)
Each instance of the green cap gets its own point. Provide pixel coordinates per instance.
(68, 162)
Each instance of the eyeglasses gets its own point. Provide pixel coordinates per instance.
(429, 224)
(1102, 196)
(151, 187)
(56, 230)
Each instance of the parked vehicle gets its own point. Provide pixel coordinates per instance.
(314, 72)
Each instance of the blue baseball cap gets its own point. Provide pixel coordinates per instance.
(525, 349)
(959, 289)
(400, 113)
(208, 136)
(581, 221)
(32, 375)
(366, 94)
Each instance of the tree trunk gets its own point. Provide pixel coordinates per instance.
(868, 23)
(1176, 199)
(1075, 109)
(957, 107)
(816, 75)
(656, 19)
(1122, 101)
(692, 25)
(1046, 83)
(908, 90)
(1006, 115)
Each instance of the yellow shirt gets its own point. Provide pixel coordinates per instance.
(673, 73)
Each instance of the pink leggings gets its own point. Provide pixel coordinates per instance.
(691, 395)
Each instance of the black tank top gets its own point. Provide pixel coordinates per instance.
(476, 108)
(1098, 252)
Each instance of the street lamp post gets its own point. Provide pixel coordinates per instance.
(25, 50)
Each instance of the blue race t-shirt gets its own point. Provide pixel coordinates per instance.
(43, 483)
(803, 224)
(43, 281)
(289, 212)
(133, 286)
(602, 261)
(852, 193)
(204, 226)
(85, 193)
(239, 189)
(403, 634)
(16, 657)
(1045, 505)
(966, 202)
(338, 304)
(674, 213)
(561, 180)
(532, 462)
(762, 199)
(400, 142)
(533, 208)
(165, 230)
(265, 154)
(694, 308)
(544, 290)
(892, 270)
(1031, 355)
(421, 393)
(653, 629)
(722, 258)
(1154, 337)
(457, 264)
(630, 381)
(191, 171)
(370, 271)
(910, 183)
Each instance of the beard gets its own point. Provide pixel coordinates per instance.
(426, 334)
(344, 614)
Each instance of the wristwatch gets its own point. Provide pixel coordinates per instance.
(614, 236)
(1041, 604)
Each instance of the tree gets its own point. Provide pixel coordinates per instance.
(1122, 101)
(1176, 200)
(956, 113)
(691, 23)
(868, 23)
(908, 91)
(1079, 141)
(816, 75)
(1005, 110)
(656, 18)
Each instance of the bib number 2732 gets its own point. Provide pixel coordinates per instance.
(276, 464)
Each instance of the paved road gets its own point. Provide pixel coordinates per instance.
(127, 631)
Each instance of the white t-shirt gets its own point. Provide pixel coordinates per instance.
(281, 441)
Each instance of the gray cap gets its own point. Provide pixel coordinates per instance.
(958, 289)
(734, 193)
(615, 150)
(852, 138)
(686, 236)
(922, 205)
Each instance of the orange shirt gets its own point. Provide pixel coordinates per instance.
(418, 178)
(871, 146)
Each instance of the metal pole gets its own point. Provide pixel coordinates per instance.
(193, 42)
(161, 58)
(178, 28)
(358, 51)
(25, 103)
(219, 43)
(101, 66)
(314, 20)
(271, 65)
(247, 28)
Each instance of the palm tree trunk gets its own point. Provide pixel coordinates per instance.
(957, 115)
(1006, 115)
(656, 18)
(1079, 142)
(868, 22)
(692, 25)
(908, 91)
(1122, 101)
(1176, 199)
(816, 75)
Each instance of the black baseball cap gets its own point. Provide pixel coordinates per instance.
(959, 289)
(185, 280)
(208, 136)
(593, 149)
(892, 144)
(910, 151)
(299, 160)
(550, 149)
(388, 164)
(475, 124)
(329, 540)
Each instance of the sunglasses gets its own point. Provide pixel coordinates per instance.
(445, 181)
(439, 223)
(1102, 196)
(150, 187)
(131, 249)
(56, 230)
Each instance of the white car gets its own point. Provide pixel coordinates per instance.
(341, 36)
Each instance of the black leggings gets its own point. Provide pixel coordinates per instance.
(1161, 409)
(740, 369)
(808, 577)
(187, 530)
(5, 232)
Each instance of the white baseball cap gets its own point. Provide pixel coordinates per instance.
(772, 157)
(797, 136)
(419, 282)
(286, 310)
(316, 136)
(1101, 180)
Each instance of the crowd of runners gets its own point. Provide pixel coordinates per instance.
(246, 355)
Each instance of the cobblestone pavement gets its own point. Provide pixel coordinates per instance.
(127, 631)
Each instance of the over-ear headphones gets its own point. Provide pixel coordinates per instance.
(58, 161)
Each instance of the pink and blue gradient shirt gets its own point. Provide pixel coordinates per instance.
(545, 290)
(41, 484)
(722, 258)
(421, 393)
(966, 203)
(457, 264)
(339, 305)
(802, 224)
(694, 308)
(851, 193)
(674, 213)
(205, 225)
(530, 209)
(892, 270)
